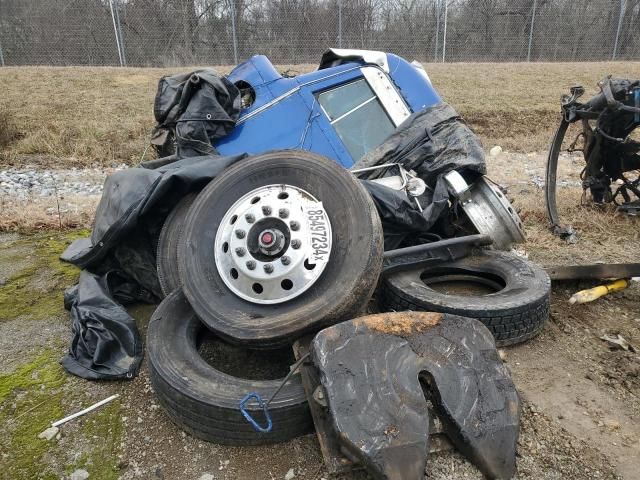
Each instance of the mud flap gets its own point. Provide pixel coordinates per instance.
(381, 372)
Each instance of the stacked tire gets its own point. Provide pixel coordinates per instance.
(278, 246)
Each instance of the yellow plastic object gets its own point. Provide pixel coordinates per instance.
(585, 296)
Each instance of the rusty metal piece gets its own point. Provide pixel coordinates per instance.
(598, 271)
(379, 403)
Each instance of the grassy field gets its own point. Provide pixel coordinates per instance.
(78, 116)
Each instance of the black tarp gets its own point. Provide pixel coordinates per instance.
(118, 260)
(192, 109)
(432, 143)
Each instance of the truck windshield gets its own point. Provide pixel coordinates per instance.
(357, 115)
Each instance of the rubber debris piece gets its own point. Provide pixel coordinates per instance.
(380, 371)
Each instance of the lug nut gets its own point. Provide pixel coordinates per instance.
(250, 218)
(283, 213)
(295, 226)
(240, 251)
(285, 260)
(268, 268)
(240, 233)
(266, 210)
(296, 243)
(251, 265)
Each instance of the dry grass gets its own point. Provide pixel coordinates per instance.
(8, 130)
(37, 213)
(517, 105)
(98, 115)
(604, 235)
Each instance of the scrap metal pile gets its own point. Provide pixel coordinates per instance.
(372, 202)
(611, 155)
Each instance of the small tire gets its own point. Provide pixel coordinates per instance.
(515, 312)
(167, 249)
(205, 401)
(343, 289)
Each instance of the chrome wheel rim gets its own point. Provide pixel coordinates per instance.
(273, 244)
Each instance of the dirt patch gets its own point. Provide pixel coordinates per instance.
(33, 214)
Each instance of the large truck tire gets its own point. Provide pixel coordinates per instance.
(279, 245)
(203, 400)
(509, 294)
(167, 250)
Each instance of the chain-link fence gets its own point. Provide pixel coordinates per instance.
(219, 32)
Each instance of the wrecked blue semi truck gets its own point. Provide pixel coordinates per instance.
(347, 107)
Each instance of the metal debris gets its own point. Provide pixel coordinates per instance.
(618, 342)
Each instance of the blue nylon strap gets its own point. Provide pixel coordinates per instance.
(250, 419)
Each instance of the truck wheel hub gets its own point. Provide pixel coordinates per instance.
(273, 244)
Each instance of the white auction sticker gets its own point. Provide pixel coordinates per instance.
(320, 233)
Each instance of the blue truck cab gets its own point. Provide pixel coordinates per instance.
(344, 109)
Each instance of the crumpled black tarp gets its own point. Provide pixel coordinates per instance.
(119, 258)
(432, 143)
(196, 108)
(105, 342)
(119, 263)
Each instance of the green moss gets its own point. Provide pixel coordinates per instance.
(35, 291)
(43, 372)
(30, 399)
(104, 431)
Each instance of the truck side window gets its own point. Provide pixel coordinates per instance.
(358, 117)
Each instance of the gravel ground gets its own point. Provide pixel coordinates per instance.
(26, 183)
(33, 199)
(580, 416)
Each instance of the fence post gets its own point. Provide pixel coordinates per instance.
(615, 45)
(1, 56)
(115, 31)
(117, 10)
(339, 23)
(444, 33)
(232, 6)
(435, 53)
(533, 19)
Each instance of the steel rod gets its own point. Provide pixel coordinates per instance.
(620, 17)
(234, 38)
(444, 35)
(86, 410)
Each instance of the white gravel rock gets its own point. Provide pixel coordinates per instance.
(290, 475)
(80, 474)
(495, 151)
(49, 433)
